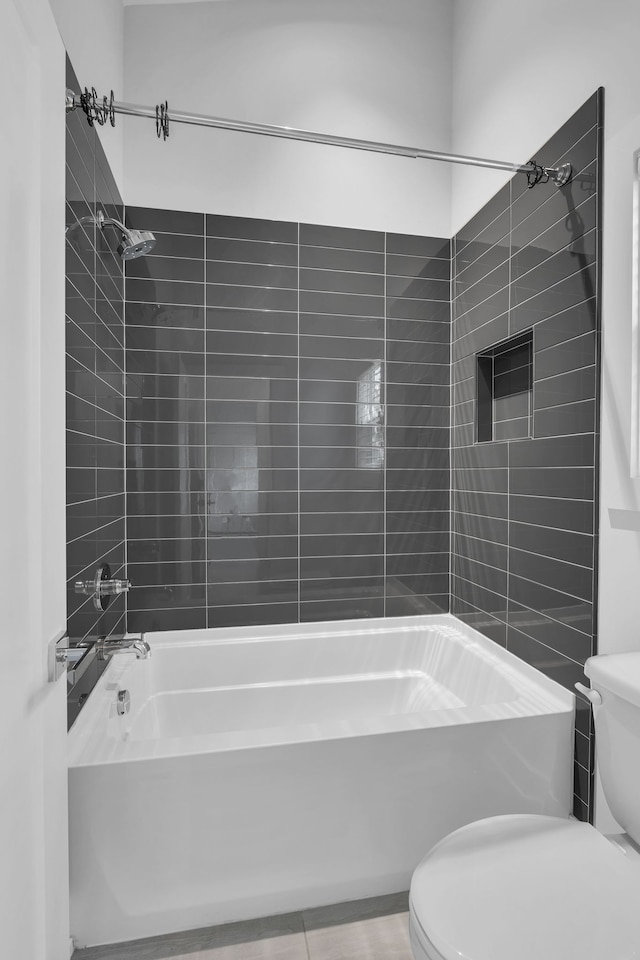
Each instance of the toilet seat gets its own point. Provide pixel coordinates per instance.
(526, 887)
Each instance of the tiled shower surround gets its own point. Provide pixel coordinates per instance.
(524, 511)
(289, 419)
(287, 423)
(95, 382)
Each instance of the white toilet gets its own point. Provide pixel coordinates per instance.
(528, 887)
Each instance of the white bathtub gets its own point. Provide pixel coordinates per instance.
(264, 770)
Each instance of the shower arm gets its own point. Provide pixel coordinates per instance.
(100, 110)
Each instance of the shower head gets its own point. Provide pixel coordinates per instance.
(134, 243)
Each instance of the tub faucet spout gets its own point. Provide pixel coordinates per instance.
(107, 648)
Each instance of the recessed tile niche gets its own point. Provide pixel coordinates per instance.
(504, 377)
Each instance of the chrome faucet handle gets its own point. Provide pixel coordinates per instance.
(102, 587)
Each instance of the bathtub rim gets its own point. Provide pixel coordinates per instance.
(539, 695)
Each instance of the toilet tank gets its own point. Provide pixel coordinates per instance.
(616, 677)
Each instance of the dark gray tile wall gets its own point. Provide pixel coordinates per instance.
(524, 510)
(95, 379)
(288, 404)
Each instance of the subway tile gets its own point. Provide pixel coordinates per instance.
(413, 246)
(344, 348)
(425, 268)
(487, 479)
(422, 542)
(251, 251)
(335, 458)
(566, 325)
(436, 311)
(248, 615)
(553, 664)
(419, 330)
(414, 394)
(354, 435)
(252, 549)
(165, 291)
(347, 588)
(250, 275)
(421, 585)
(330, 258)
(415, 564)
(566, 293)
(162, 504)
(326, 325)
(436, 501)
(340, 281)
(156, 433)
(573, 611)
(165, 410)
(167, 339)
(417, 288)
(163, 315)
(493, 332)
(574, 235)
(565, 388)
(166, 221)
(493, 604)
(250, 298)
(490, 529)
(256, 570)
(483, 504)
(575, 515)
(313, 524)
(579, 256)
(256, 387)
(402, 478)
(165, 268)
(248, 457)
(241, 342)
(469, 274)
(489, 216)
(318, 611)
(248, 228)
(165, 363)
(566, 356)
(177, 245)
(342, 545)
(341, 501)
(147, 621)
(558, 636)
(566, 577)
(346, 238)
(253, 367)
(567, 419)
(341, 303)
(572, 451)
(575, 483)
(251, 321)
(490, 579)
(407, 417)
(260, 413)
(409, 606)
(436, 374)
(481, 551)
(237, 594)
(414, 521)
(404, 351)
(341, 479)
(248, 505)
(340, 567)
(169, 550)
(327, 369)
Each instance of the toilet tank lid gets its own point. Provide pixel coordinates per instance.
(617, 672)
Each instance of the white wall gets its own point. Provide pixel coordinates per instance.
(92, 32)
(33, 809)
(360, 68)
(518, 77)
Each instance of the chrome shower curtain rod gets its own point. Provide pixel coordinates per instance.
(100, 110)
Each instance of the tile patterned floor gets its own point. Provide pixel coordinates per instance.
(372, 929)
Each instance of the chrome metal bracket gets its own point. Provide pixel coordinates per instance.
(72, 659)
(102, 587)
